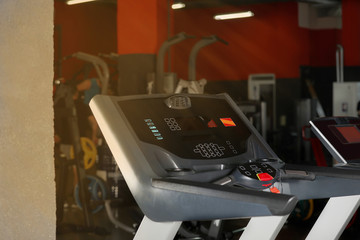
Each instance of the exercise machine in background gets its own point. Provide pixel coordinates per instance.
(101, 68)
(165, 82)
(192, 85)
(168, 82)
(346, 95)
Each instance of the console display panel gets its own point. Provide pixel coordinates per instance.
(341, 136)
(209, 129)
(350, 133)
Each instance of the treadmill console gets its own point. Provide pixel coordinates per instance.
(191, 133)
(341, 136)
(256, 175)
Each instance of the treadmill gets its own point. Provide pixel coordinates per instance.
(196, 157)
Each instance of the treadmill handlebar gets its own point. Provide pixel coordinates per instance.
(277, 204)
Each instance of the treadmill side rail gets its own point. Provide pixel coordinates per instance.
(249, 201)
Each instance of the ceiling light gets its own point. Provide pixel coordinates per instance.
(233, 15)
(178, 5)
(72, 2)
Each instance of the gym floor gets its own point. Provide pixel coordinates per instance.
(70, 227)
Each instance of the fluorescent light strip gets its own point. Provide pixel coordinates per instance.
(233, 15)
(72, 2)
(178, 5)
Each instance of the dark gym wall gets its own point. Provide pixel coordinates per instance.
(89, 27)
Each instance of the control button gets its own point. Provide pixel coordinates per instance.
(178, 102)
(274, 190)
(227, 122)
(209, 150)
(211, 124)
(172, 124)
(254, 166)
(264, 177)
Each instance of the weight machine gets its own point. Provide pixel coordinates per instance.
(83, 151)
(101, 68)
(196, 157)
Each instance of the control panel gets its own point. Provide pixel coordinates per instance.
(187, 132)
(188, 127)
(341, 136)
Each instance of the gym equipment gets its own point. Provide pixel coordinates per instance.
(97, 192)
(341, 137)
(64, 92)
(165, 82)
(255, 111)
(262, 87)
(118, 190)
(193, 85)
(100, 66)
(339, 63)
(196, 157)
(346, 95)
(89, 152)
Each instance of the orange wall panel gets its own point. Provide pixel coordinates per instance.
(89, 28)
(137, 27)
(270, 42)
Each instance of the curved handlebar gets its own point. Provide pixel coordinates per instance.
(181, 35)
(216, 38)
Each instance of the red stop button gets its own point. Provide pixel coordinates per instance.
(264, 177)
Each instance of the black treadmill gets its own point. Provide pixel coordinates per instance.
(197, 157)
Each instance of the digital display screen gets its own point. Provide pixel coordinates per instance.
(209, 129)
(228, 122)
(192, 123)
(350, 133)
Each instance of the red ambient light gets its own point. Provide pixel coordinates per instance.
(228, 122)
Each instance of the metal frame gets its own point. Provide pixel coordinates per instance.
(334, 218)
(270, 227)
(156, 230)
(255, 82)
